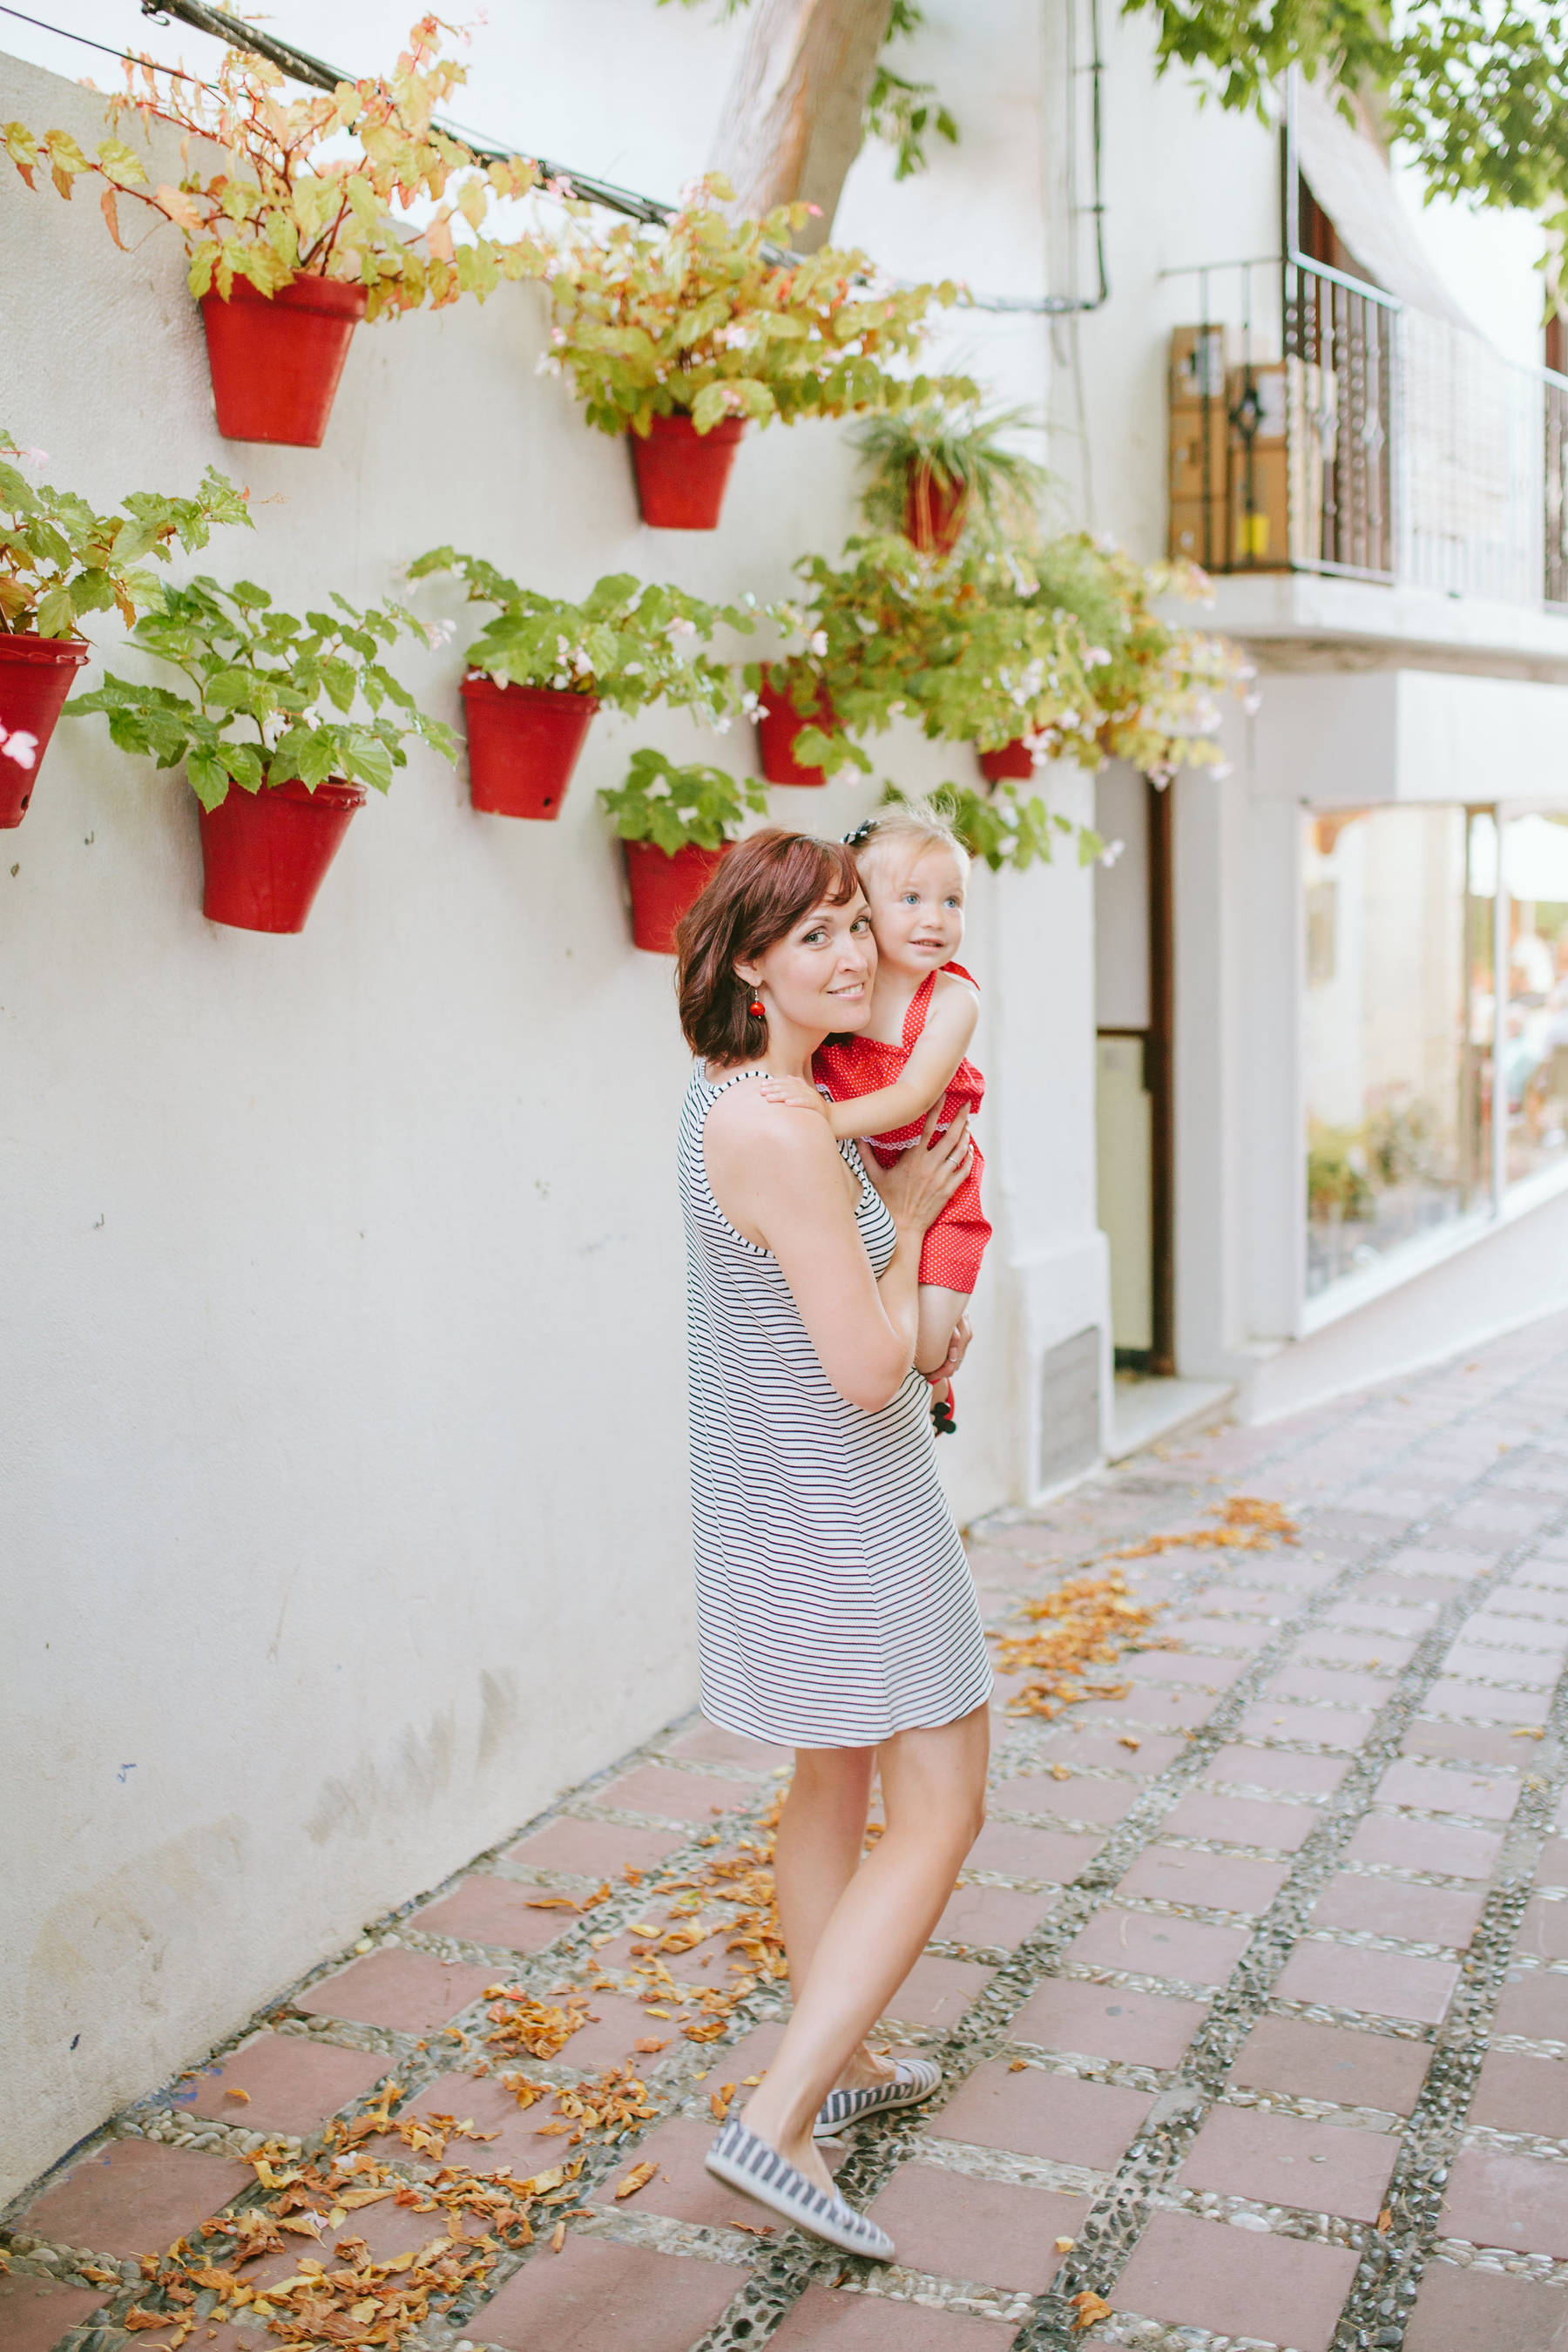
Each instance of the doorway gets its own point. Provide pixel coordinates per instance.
(1133, 1091)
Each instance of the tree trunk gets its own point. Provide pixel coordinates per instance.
(795, 114)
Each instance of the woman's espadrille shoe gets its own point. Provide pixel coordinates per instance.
(912, 2080)
(743, 2161)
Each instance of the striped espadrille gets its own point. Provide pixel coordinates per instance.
(743, 2161)
(912, 2080)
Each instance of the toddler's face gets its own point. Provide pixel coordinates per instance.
(917, 905)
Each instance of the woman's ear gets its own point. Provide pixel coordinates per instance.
(749, 973)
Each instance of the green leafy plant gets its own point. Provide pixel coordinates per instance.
(1337, 1182)
(703, 318)
(283, 201)
(59, 559)
(680, 808)
(1003, 827)
(275, 696)
(953, 448)
(624, 643)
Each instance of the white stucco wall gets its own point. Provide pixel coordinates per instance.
(343, 1463)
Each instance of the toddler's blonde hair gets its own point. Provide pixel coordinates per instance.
(920, 822)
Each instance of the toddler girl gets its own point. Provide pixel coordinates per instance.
(885, 1081)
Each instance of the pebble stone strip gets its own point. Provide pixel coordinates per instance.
(1390, 2265)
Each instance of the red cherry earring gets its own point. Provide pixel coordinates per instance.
(757, 1009)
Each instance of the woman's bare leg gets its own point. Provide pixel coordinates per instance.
(933, 1787)
(820, 1843)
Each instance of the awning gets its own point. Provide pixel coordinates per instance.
(1350, 181)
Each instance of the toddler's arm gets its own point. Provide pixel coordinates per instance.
(938, 1051)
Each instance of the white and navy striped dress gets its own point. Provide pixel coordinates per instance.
(835, 1605)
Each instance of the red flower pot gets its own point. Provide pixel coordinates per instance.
(681, 473)
(780, 723)
(36, 676)
(663, 887)
(1014, 761)
(934, 512)
(265, 854)
(524, 742)
(276, 359)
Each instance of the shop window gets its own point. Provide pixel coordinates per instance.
(1535, 1009)
(1397, 1028)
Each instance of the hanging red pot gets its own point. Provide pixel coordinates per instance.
(36, 676)
(1014, 762)
(524, 742)
(276, 359)
(265, 854)
(664, 887)
(681, 473)
(934, 512)
(779, 725)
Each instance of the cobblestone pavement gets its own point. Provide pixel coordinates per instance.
(1256, 1992)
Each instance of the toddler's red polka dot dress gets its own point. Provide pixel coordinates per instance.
(955, 1243)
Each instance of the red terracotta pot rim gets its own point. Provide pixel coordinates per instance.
(341, 298)
(729, 428)
(332, 792)
(24, 646)
(479, 682)
(700, 847)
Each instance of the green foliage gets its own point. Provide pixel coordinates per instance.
(1337, 1182)
(1002, 827)
(288, 198)
(1065, 650)
(953, 444)
(681, 807)
(623, 643)
(255, 667)
(700, 318)
(59, 559)
(1478, 89)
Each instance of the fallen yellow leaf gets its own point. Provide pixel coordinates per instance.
(558, 2237)
(1065, 2246)
(1090, 2309)
(233, 2091)
(637, 2178)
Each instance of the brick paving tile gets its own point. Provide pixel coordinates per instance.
(1178, 1666)
(681, 2190)
(498, 1911)
(694, 1967)
(1075, 1800)
(1405, 1582)
(1551, 1870)
(1336, 1646)
(294, 2083)
(1424, 1563)
(1516, 2093)
(824, 2321)
(1331, 2063)
(1507, 2200)
(937, 1991)
(512, 2133)
(1215, 1632)
(1489, 1661)
(135, 2196)
(1386, 1984)
(1534, 2003)
(387, 2231)
(411, 1992)
(694, 1797)
(1036, 2113)
(1449, 1788)
(1236, 2282)
(1241, 1821)
(1330, 1727)
(1157, 1944)
(1329, 1683)
(705, 1744)
(991, 1915)
(1449, 1696)
(993, 2233)
(594, 1849)
(1439, 1846)
(1140, 1753)
(1481, 1743)
(1392, 1906)
(34, 2313)
(617, 2024)
(1266, 1768)
(1390, 1617)
(596, 2295)
(1543, 1931)
(1016, 1852)
(1460, 2310)
(1144, 2029)
(1220, 1882)
(1282, 2160)
(1150, 1706)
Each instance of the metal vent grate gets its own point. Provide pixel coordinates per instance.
(1070, 1407)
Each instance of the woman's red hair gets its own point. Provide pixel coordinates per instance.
(765, 885)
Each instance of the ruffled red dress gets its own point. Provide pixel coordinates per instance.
(955, 1243)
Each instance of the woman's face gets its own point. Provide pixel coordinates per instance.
(819, 975)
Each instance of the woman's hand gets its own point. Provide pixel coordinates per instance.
(924, 1178)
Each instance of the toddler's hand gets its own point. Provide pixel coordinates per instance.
(795, 1094)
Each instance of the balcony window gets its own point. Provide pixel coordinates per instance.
(1397, 1027)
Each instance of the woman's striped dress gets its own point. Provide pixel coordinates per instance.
(835, 1605)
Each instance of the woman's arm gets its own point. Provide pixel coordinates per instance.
(782, 1184)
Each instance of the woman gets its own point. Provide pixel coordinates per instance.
(835, 1610)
